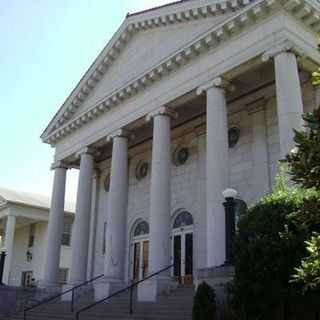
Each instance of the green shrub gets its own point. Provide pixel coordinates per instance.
(204, 305)
(268, 248)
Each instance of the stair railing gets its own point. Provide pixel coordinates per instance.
(71, 290)
(131, 287)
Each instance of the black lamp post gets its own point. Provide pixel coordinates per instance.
(230, 224)
(2, 260)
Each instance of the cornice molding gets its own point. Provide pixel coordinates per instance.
(129, 28)
(211, 39)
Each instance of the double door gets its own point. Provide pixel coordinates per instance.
(140, 259)
(182, 258)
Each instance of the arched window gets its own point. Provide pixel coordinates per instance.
(141, 229)
(183, 219)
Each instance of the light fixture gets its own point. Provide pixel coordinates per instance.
(229, 193)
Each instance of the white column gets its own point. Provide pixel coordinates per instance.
(93, 224)
(55, 226)
(260, 173)
(160, 191)
(289, 99)
(217, 169)
(117, 208)
(81, 225)
(9, 242)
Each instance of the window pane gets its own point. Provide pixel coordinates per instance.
(141, 229)
(183, 219)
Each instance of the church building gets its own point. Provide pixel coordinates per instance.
(185, 100)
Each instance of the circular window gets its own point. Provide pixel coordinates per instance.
(181, 155)
(106, 183)
(142, 169)
(233, 136)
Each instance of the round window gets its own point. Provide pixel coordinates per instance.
(142, 169)
(181, 155)
(233, 136)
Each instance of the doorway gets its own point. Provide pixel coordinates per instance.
(140, 251)
(182, 248)
(27, 278)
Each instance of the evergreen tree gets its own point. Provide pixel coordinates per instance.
(204, 305)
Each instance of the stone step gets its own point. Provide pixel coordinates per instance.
(176, 306)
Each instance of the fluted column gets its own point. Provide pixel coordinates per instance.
(81, 225)
(217, 169)
(55, 225)
(117, 208)
(9, 243)
(160, 190)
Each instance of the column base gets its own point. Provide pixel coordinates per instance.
(107, 286)
(150, 290)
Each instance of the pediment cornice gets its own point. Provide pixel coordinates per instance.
(254, 11)
(132, 25)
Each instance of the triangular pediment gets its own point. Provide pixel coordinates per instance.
(141, 42)
(147, 49)
(150, 45)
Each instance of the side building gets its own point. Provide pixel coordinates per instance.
(23, 236)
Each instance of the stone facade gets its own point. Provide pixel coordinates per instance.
(180, 76)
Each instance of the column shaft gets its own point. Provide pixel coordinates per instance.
(160, 194)
(93, 226)
(117, 210)
(81, 225)
(9, 243)
(217, 174)
(289, 99)
(55, 227)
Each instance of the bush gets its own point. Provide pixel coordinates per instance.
(268, 248)
(204, 305)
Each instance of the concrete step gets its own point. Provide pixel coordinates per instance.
(176, 306)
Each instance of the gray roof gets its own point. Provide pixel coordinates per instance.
(31, 199)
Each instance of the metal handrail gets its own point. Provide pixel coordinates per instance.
(72, 290)
(121, 291)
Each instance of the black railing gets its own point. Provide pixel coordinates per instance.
(72, 290)
(122, 291)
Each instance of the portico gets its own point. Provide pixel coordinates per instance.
(160, 140)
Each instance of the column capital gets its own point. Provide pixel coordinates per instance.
(256, 106)
(87, 150)
(120, 133)
(284, 46)
(59, 164)
(163, 110)
(218, 82)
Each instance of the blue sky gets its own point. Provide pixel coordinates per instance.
(45, 48)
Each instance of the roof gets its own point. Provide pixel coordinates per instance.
(31, 199)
